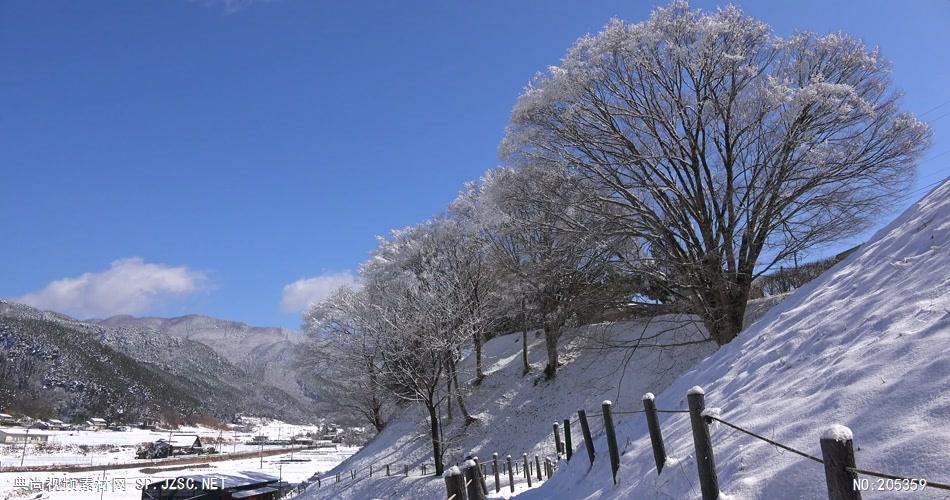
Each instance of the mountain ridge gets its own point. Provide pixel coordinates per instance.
(269, 354)
(53, 364)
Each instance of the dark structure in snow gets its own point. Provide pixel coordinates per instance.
(240, 485)
(185, 441)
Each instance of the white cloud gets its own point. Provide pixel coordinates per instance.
(301, 294)
(129, 286)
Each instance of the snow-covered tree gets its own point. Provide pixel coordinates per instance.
(343, 355)
(726, 148)
(413, 281)
(557, 254)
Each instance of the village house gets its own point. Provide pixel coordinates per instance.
(6, 419)
(19, 436)
(95, 424)
(184, 442)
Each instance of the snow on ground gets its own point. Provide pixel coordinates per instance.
(866, 345)
(317, 461)
(108, 447)
(516, 412)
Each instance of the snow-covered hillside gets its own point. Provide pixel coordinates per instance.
(268, 354)
(866, 345)
(516, 412)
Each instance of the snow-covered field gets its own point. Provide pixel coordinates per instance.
(866, 345)
(107, 447)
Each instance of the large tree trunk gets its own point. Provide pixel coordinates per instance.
(377, 405)
(448, 390)
(550, 342)
(378, 421)
(477, 339)
(724, 311)
(469, 419)
(526, 367)
(436, 438)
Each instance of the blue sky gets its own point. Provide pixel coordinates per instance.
(175, 156)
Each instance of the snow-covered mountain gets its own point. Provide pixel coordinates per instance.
(54, 365)
(268, 354)
(866, 345)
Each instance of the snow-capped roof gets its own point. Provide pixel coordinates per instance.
(230, 479)
(183, 440)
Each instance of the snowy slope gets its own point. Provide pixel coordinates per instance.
(866, 345)
(516, 412)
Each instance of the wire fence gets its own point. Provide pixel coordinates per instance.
(837, 454)
(700, 419)
(523, 469)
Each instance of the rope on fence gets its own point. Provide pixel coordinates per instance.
(882, 475)
(672, 411)
(855, 470)
(767, 440)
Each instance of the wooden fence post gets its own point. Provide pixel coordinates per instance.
(407, 470)
(568, 446)
(537, 466)
(837, 451)
(656, 436)
(527, 468)
(473, 487)
(481, 476)
(511, 474)
(611, 438)
(558, 447)
(585, 430)
(338, 477)
(370, 470)
(705, 461)
(387, 469)
(454, 484)
(423, 469)
(494, 459)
